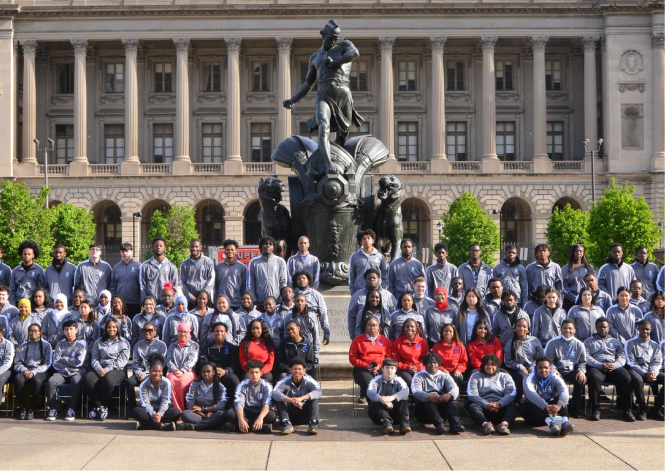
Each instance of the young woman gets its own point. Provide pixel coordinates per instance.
(537, 299)
(584, 314)
(108, 360)
(273, 321)
(503, 324)
(438, 315)
(623, 317)
(203, 307)
(118, 310)
(104, 307)
(258, 345)
(77, 298)
(294, 346)
(88, 328)
(307, 321)
(181, 358)
(33, 359)
(19, 324)
(224, 355)
(156, 411)
(41, 303)
(235, 327)
(409, 349)
(520, 355)
(573, 274)
(206, 402)
(374, 308)
(656, 316)
(367, 353)
(470, 311)
(248, 311)
(407, 309)
(483, 343)
(180, 316)
(454, 360)
(51, 325)
(148, 314)
(548, 318)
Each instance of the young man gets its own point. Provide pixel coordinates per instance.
(603, 300)
(315, 301)
(252, 403)
(7, 311)
(403, 271)
(267, 273)
(364, 259)
(475, 273)
(60, 274)
(125, 280)
(645, 271)
(420, 298)
(372, 279)
(492, 300)
(442, 272)
(140, 364)
(303, 261)
(274, 321)
(615, 273)
(197, 273)
(544, 271)
(5, 272)
(297, 397)
(546, 398)
(644, 358)
(69, 364)
(456, 293)
(230, 275)
(389, 396)
(157, 271)
(512, 274)
(636, 298)
(28, 276)
(435, 393)
(93, 275)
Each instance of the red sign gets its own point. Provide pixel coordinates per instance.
(245, 254)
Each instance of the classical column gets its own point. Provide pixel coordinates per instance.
(438, 106)
(181, 134)
(590, 100)
(658, 157)
(386, 100)
(489, 98)
(539, 99)
(29, 102)
(233, 100)
(283, 125)
(8, 49)
(131, 101)
(80, 102)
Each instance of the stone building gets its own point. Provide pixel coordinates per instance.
(153, 102)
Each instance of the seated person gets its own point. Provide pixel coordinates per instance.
(143, 350)
(437, 315)
(407, 309)
(258, 345)
(118, 310)
(33, 359)
(235, 327)
(454, 360)
(520, 355)
(435, 392)
(409, 349)
(19, 324)
(148, 314)
(206, 401)
(294, 346)
(492, 397)
(546, 398)
(247, 310)
(69, 361)
(251, 411)
(373, 308)
(569, 360)
(173, 321)
(389, 395)
(6, 360)
(605, 358)
(224, 355)
(483, 343)
(156, 411)
(366, 353)
(644, 359)
(297, 397)
(547, 319)
(181, 359)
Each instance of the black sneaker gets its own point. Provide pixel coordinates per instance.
(628, 416)
(22, 413)
(656, 414)
(388, 427)
(405, 428)
(313, 428)
(595, 416)
(30, 415)
(642, 414)
(574, 412)
(457, 428)
(169, 427)
(229, 427)
(267, 429)
(440, 429)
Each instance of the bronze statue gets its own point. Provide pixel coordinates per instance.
(274, 217)
(388, 215)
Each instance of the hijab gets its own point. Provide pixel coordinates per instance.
(441, 306)
(60, 315)
(184, 326)
(105, 309)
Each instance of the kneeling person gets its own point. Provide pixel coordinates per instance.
(389, 395)
(252, 403)
(297, 397)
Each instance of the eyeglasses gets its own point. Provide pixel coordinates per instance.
(148, 330)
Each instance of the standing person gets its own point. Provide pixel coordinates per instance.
(358, 300)
(156, 411)
(206, 402)
(389, 394)
(544, 271)
(623, 317)
(442, 272)
(603, 300)
(125, 280)
(181, 359)
(258, 345)
(404, 270)
(32, 362)
(142, 351)
(172, 323)
(438, 315)
(644, 359)
(235, 326)
(483, 343)
(273, 321)
(373, 308)
(656, 316)
(5, 272)
(408, 349)
(251, 410)
(6, 360)
(584, 314)
(452, 354)
(367, 257)
(503, 324)
(224, 355)
(28, 276)
(475, 273)
(573, 274)
(645, 271)
(293, 346)
(520, 355)
(59, 274)
(615, 273)
(470, 311)
(636, 298)
(548, 318)
(366, 353)
(230, 275)
(420, 298)
(407, 310)
(315, 302)
(93, 275)
(456, 293)
(266, 274)
(512, 274)
(197, 273)
(303, 261)
(148, 314)
(492, 300)
(157, 271)
(297, 397)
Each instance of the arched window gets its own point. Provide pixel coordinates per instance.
(148, 211)
(562, 202)
(109, 226)
(210, 223)
(416, 222)
(516, 222)
(251, 224)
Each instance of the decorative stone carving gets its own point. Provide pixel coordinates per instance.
(182, 45)
(131, 45)
(233, 44)
(386, 43)
(80, 46)
(29, 46)
(538, 43)
(631, 62)
(284, 44)
(632, 85)
(589, 43)
(487, 43)
(437, 43)
(658, 40)
(388, 215)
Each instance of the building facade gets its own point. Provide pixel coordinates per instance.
(150, 103)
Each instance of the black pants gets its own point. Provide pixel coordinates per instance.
(35, 384)
(637, 383)
(399, 414)
(518, 378)
(4, 377)
(171, 415)
(480, 415)
(362, 377)
(535, 416)
(619, 377)
(578, 389)
(406, 376)
(435, 413)
(76, 384)
(215, 421)
(129, 384)
(99, 390)
(308, 413)
(230, 381)
(250, 417)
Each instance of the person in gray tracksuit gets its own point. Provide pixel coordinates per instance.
(403, 271)
(442, 272)
(512, 274)
(303, 261)
(141, 353)
(547, 321)
(475, 275)
(125, 280)
(252, 402)
(366, 258)
(645, 271)
(205, 402)
(60, 278)
(235, 326)
(358, 299)
(315, 302)
(31, 364)
(156, 411)
(519, 355)
(615, 273)
(69, 360)
(6, 360)
(5, 272)
(389, 399)
(660, 281)
(297, 397)
(267, 274)
(93, 274)
(197, 273)
(157, 271)
(140, 320)
(644, 358)
(546, 273)
(170, 330)
(231, 281)
(435, 320)
(623, 317)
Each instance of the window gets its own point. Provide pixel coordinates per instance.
(555, 140)
(163, 139)
(163, 77)
(455, 75)
(114, 142)
(260, 79)
(261, 142)
(504, 75)
(407, 141)
(64, 143)
(407, 75)
(212, 142)
(553, 75)
(66, 78)
(505, 141)
(304, 69)
(363, 130)
(115, 78)
(212, 74)
(358, 77)
(456, 141)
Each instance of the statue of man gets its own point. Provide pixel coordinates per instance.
(331, 66)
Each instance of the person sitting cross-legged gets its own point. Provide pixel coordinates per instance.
(156, 411)
(252, 403)
(389, 396)
(297, 397)
(206, 401)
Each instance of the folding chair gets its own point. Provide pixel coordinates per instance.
(8, 394)
(64, 393)
(356, 397)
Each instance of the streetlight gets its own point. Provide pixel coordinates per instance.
(46, 149)
(500, 213)
(593, 172)
(134, 216)
(439, 226)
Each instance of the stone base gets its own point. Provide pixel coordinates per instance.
(182, 167)
(542, 164)
(130, 167)
(233, 167)
(390, 167)
(440, 166)
(79, 168)
(26, 169)
(491, 164)
(658, 162)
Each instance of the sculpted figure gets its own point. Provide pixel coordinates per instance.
(388, 215)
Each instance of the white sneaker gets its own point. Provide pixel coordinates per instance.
(52, 415)
(104, 413)
(71, 415)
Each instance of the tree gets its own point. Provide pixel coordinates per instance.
(466, 223)
(177, 226)
(565, 228)
(620, 217)
(74, 228)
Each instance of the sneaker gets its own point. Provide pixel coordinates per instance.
(457, 428)
(22, 413)
(642, 414)
(30, 415)
(555, 428)
(656, 414)
(388, 428)
(103, 413)
(287, 428)
(488, 429)
(181, 426)
(229, 427)
(169, 427)
(405, 428)
(71, 415)
(595, 416)
(440, 429)
(362, 400)
(502, 429)
(267, 429)
(52, 415)
(628, 416)
(313, 428)
(567, 429)
(138, 426)
(94, 413)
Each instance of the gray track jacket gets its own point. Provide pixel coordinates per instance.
(153, 275)
(541, 393)
(567, 354)
(308, 263)
(25, 282)
(435, 320)
(484, 275)
(622, 321)
(612, 276)
(94, 277)
(182, 358)
(574, 282)
(601, 350)
(483, 389)
(545, 325)
(317, 305)
(60, 281)
(287, 388)
(6, 355)
(514, 278)
(266, 277)
(155, 400)
(657, 326)
(126, 281)
(585, 320)
(527, 351)
(109, 354)
(380, 387)
(253, 397)
(34, 356)
(197, 275)
(549, 274)
(69, 358)
(647, 274)
(170, 331)
(230, 281)
(360, 262)
(142, 351)
(357, 304)
(439, 275)
(643, 356)
(401, 274)
(140, 320)
(203, 396)
(423, 384)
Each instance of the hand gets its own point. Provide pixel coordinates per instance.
(196, 408)
(373, 369)
(157, 418)
(27, 374)
(580, 377)
(258, 424)
(413, 369)
(556, 372)
(243, 425)
(446, 397)
(553, 409)
(288, 104)
(102, 373)
(326, 340)
(220, 371)
(328, 61)
(608, 366)
(525, 371)
(140, 376)
(177, 373)
(529, 371)
(457, 374)
(297, 402)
